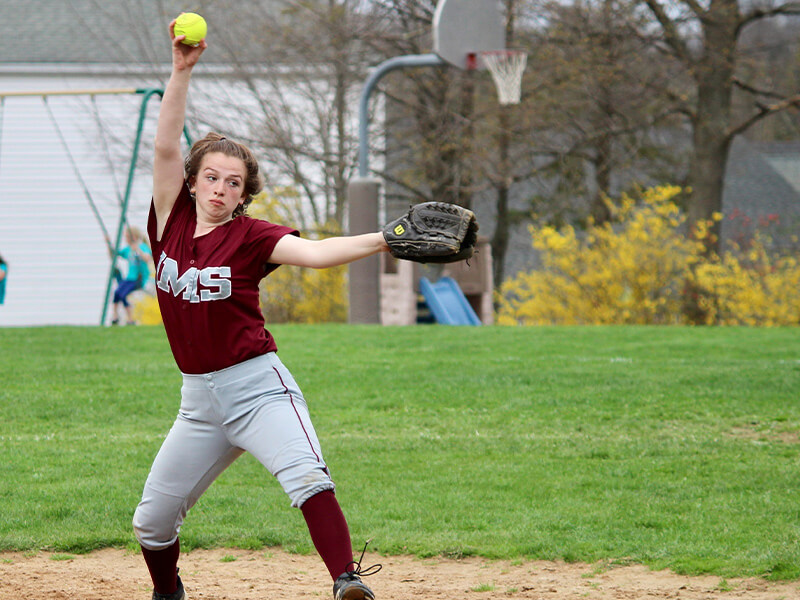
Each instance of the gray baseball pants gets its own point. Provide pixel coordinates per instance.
(256, 407)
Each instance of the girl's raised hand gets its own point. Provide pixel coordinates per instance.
(183, 55)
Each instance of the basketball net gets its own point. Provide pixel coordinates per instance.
(506, 67)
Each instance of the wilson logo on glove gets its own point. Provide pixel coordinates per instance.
(435, 232)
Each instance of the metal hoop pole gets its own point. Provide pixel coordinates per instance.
(399, 62)
(362, 201)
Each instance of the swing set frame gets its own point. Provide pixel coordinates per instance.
(147, 94)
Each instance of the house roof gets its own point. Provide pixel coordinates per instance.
(758, 195)
(784, 157)
(753, 185)
(116, 31)
(77, 31)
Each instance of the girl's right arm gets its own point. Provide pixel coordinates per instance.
(168, 158)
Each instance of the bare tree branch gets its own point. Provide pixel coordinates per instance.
(672, 36)
(763, 112)
(751, 89)
(757, 13)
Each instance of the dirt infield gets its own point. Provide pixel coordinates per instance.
(244, 575)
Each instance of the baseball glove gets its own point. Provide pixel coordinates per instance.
(433, 232)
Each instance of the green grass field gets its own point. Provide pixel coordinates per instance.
(672, 447)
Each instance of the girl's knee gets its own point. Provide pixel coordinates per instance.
(155, 527)
(300, 487)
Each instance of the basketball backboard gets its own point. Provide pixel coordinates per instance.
(462, 29)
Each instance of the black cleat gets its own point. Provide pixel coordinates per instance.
(178, 594)
(348, 585)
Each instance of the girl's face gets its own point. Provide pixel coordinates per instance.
(218, 187)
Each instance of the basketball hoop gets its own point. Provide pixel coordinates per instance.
(506, 67)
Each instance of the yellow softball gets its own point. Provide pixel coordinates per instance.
(193, 26)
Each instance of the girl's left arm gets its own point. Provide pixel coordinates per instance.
(330, 252)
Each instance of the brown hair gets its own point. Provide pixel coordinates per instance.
(214, 142)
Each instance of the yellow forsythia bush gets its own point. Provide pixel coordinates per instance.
(750, 287)
(300, 295)
(295, 294)
(637, 269)
(146, 310)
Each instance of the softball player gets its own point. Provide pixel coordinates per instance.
(236, 396)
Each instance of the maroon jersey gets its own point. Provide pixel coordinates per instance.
(208, 287)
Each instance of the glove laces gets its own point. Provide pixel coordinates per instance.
(357, 564)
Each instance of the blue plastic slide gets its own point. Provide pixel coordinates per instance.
(447, 302)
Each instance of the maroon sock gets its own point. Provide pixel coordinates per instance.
(163, 567)
(329, 532)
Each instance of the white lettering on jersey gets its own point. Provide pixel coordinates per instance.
(212, 283)
(217, 280)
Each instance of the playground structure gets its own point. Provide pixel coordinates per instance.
(461, 295)
(467, 34)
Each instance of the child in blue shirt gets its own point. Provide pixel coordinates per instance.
(3, 277)
(137, 255)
